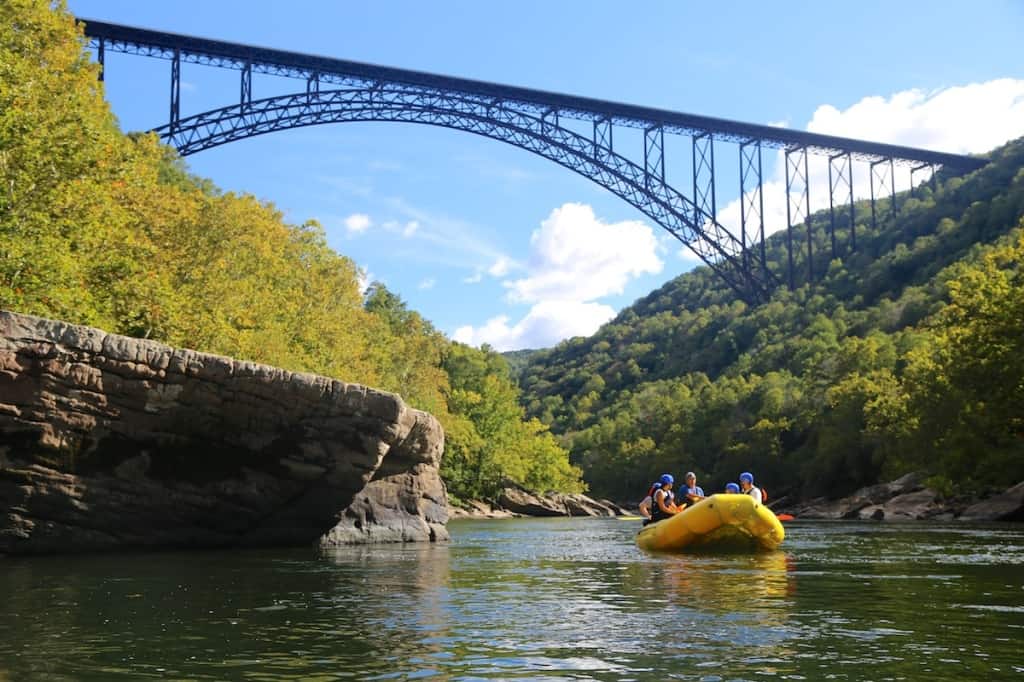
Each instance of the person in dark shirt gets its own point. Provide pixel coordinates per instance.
(664, 505)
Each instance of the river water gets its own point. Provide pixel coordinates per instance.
(531, 599)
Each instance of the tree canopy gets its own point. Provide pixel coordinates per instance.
(905, 354)
(111, 230)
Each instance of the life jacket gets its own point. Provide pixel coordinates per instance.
(656, 513)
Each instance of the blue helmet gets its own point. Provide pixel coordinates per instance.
(747, 477)
(666, 479)
(732, 488)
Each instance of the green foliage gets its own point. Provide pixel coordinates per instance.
(518, 361)
(101, 228)
(905, 355)
(965, 385)
(494, 445)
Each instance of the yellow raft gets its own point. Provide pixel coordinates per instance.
(720, 522)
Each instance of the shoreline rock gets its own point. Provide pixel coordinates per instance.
(907, 499)
(113, 442)
(1007, 506)
(515, 502)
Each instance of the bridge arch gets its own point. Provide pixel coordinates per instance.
(529, 119)
(498, 120)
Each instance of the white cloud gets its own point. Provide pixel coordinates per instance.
(500, 267)
(363, 278)
(357, 223)
(427, 283)
(962, 119)
(462, 244)
(546, 324)
(577, 257)
(474, 278)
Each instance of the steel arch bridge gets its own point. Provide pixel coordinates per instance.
(546, 124)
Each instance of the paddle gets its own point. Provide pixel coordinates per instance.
(630, 518)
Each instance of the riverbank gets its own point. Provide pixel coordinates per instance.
(514, 502)
(907, 498)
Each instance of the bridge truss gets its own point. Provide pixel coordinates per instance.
(574, 132)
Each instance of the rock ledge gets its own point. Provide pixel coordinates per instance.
(111, 442)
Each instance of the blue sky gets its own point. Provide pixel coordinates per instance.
(493, 244)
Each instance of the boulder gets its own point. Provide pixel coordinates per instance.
(1008, 506)
(406, 500)
(526, 503)
(865, 503)
(883, 492)
(581, 505)
(917, 505)
(477, 509)
(113, 442)
(821, 508)
(522, 502)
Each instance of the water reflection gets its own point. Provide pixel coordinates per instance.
(531, 599)
(719, 585)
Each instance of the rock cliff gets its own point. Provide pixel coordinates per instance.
(111, 442)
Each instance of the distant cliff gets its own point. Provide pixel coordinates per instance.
(114, 442)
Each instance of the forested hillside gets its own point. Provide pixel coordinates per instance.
(518, 360)
(906, 354)
(110, 230)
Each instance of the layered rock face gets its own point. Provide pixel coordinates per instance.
(108, 442)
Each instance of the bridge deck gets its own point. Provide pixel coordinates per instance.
(218, 53)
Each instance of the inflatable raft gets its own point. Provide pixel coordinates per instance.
(721, 522)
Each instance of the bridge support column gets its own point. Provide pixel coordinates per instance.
(312, 86)
(246, 86)
(799, 208)
(654, 156)
(704, 176)
(175, 89)
(101, 57)
(840, 175)
(602, 136)
(548, 120)
(882, 176)
(914, 169)
(752, 197)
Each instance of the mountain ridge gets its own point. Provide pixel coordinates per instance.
(694, 329)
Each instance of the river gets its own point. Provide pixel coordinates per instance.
(531, 599)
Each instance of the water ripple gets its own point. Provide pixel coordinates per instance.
(531, 599)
